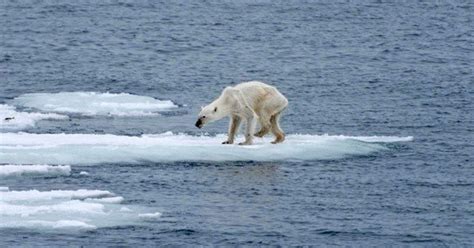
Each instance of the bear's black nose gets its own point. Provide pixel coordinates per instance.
(198, 123)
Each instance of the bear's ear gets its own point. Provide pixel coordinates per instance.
(202, 107)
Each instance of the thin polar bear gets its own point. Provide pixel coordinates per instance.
(248, 101)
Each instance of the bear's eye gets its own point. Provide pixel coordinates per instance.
(203, 116)
(215, 109)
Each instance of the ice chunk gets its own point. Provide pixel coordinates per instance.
(35, 195)
(116, 199)
(60, 224)
(68, 209)
(150, 215)
(10, 119)
(97, 148)
(94, 103)
(34, 170)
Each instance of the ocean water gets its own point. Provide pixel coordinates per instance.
(103, 151)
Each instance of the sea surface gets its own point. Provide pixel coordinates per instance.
(98, 101)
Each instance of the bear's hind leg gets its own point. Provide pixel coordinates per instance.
(276, 130)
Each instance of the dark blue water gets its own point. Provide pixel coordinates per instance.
(350, 68)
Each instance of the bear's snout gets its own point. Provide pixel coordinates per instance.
(198, 123)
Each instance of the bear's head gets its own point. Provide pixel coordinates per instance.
(218, 109)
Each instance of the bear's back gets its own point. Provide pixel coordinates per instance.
(252, 85)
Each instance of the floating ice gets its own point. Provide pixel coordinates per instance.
(67, 209)
(115, 199)
(96, 148)
(10, 119)
(35, 195)
(34, 170)
(150, 215)
(94, 103)
(60, 224)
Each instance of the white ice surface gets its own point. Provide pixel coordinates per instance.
(150, 215)
(67, 209)
(94, 103)
(34, 170)
(26, 148)
(21, 120)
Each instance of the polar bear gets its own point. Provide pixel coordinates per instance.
(248, 101)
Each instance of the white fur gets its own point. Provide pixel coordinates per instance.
(248, 101)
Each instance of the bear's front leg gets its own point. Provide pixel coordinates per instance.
(233, 127)
(250, 129)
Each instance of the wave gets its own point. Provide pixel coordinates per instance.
(27, 148)
(10, 119)
(34, 170)
(68, 209)
(94, 103)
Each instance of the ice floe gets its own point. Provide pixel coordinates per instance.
(10, 119)
(67, 209)
(94, 103)
(150, 215)
(26, 148)
(34, 170)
